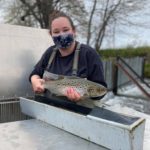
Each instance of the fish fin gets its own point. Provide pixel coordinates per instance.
(51, 76)
(84, 97)
(87, 102)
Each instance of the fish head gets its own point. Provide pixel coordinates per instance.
(96, 91)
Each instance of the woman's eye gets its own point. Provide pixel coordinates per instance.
(56, 32)
(65, 30)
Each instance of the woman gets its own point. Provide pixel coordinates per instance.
(62, 61)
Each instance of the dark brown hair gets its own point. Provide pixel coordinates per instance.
(57, 14)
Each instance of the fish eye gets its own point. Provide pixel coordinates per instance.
(99, 90)
(90, 90)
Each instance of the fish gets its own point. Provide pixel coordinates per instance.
(85, 87)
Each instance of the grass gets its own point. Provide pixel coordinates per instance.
(147, 70)
(128, 52)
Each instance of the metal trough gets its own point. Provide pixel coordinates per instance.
(108, 133)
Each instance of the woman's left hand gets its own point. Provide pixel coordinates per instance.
(73, 95)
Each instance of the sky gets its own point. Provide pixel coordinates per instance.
(134, 38)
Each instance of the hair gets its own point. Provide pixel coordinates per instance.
(56, 14)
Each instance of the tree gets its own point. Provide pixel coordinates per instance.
(106, 15)
(102, 19)
(37, 12)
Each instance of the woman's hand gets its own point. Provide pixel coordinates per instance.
(37, 84)
(73, 95)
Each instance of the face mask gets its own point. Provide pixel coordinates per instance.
(63, 40)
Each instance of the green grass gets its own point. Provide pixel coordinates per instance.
(147, 70)
(128, 52)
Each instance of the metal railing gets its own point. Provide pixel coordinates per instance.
(132, 75)
(115, 77)
(10, 111)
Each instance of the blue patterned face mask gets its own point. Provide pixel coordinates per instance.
(63, 40)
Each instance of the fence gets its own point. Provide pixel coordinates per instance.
(113, 76)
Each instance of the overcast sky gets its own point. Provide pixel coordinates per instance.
(135, 37)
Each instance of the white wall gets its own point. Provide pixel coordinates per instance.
(20, 49)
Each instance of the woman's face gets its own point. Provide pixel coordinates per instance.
(60, 26)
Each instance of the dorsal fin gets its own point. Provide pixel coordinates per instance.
(52, 76)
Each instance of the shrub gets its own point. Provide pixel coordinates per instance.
(127, 53)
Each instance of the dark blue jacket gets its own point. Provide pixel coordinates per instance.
(89, 65)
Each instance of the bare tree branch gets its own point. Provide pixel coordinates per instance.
(90, 22)
(107, 15)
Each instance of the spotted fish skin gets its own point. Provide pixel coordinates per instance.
(83, 86)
